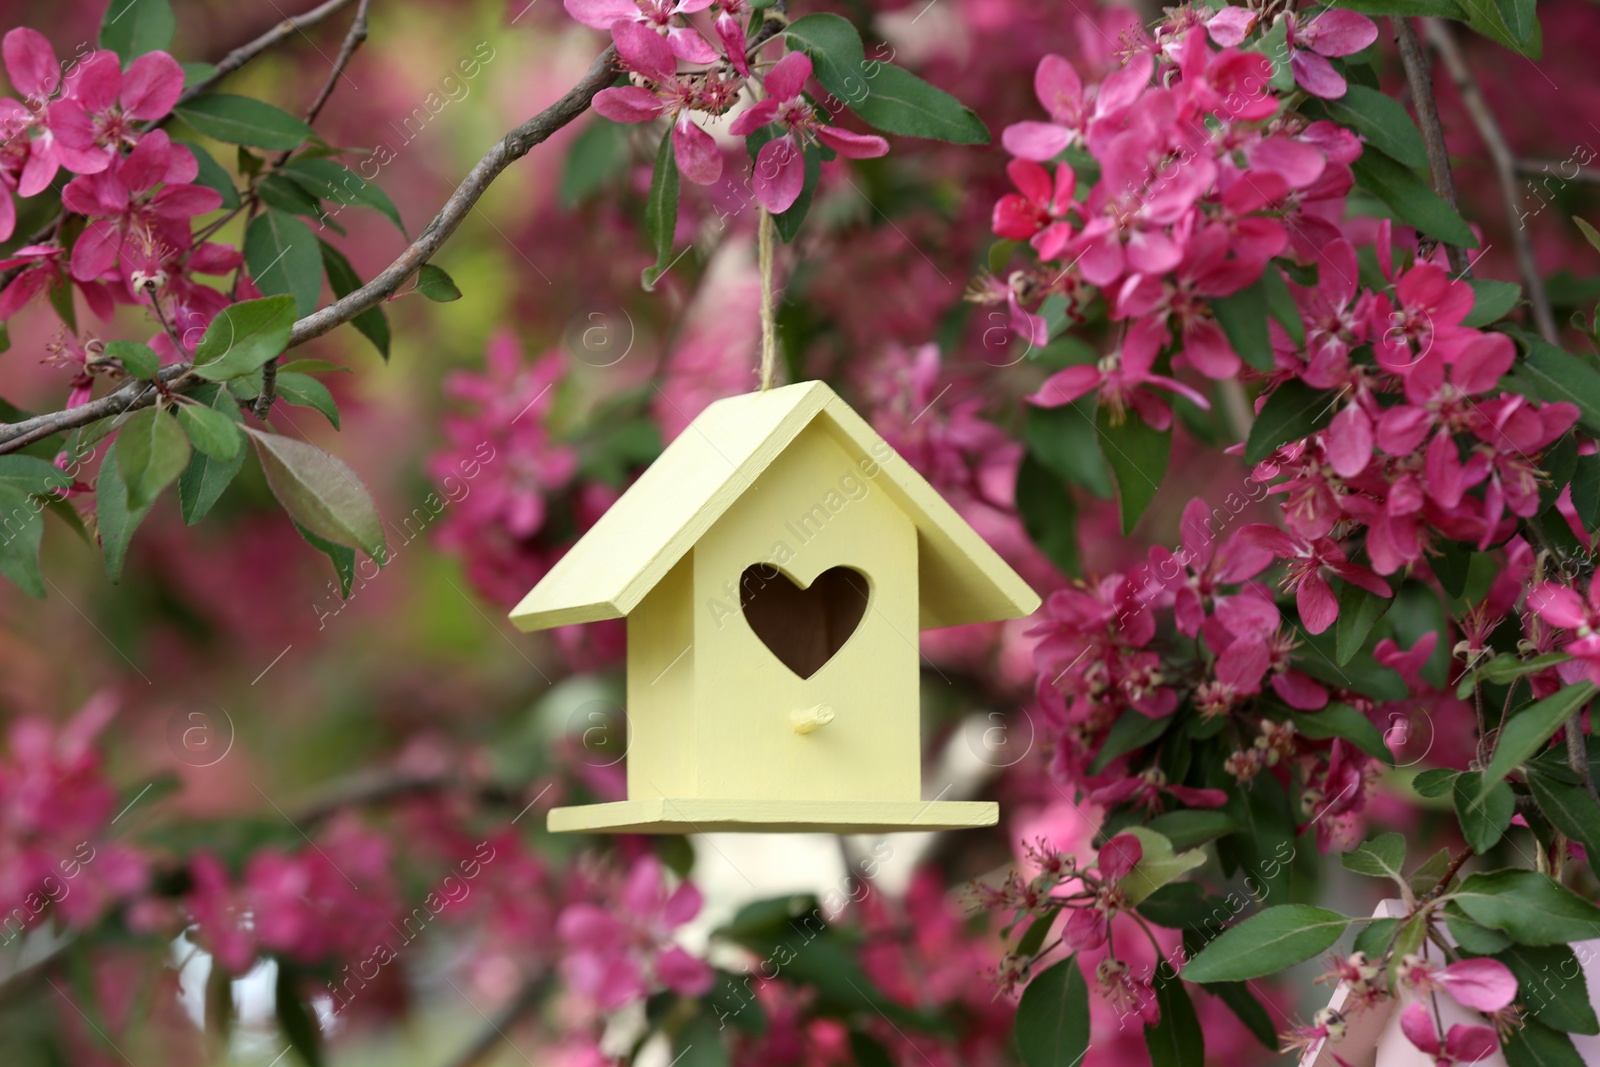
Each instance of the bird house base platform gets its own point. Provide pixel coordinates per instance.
(665, 815)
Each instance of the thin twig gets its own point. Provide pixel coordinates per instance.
(1505, 168)
(1421, 82)
(509, 149)
(250, 49)
(1540, 168)
(353, 40)
(1455, 866)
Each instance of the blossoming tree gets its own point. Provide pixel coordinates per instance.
(1258, 375)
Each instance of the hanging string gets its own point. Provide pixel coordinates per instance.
(769, 328)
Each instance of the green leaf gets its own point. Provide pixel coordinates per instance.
(210, 431)
(1444, 9)
(1280, 302)
(1359, 612)
(899, 102)
(1052, 1023)
(244, 120)
(284, 258)
(1048, 513)
(306, 391)
(1266, 943)
(1434, 783)
(1379, 118)
(1131, 731)
(1137, 456)
(436, 285)
(203, 481)
(243, 336)
(1158, 865)
(279, 192)
(1529, 906)
(866, 1052)
(116, 521)
(154, 451)
(1029, 943)
(1551, 985)
(343, 559)
(1251, 1012)
(338, 184)
(1491, 300)
(1590, 234)
(1526, 731)
(1586, 490)
(31, 476)
(1535, 1044)
(1483, 813)
(1193, 826)
(1411, 199)
(1383, 856)
(1293, 411)
(598, 154)
(295, 1019)
(1175, 1041)
(1426, 877)
(884, 95)
(1569, 808)
(22, 520)
(1342, 720)
(137, 358)
(1471, 936)
(212, 175)
(661, 212)
(1243, 317)
(1552, 374)
(1374, 940)
(320, 492)
(1510, 23)
(133, 27)
(1506, 668)
(342, 278)
(1065, 440)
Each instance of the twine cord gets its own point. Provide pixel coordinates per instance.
(769, 329)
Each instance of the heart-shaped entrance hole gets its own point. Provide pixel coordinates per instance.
(803, 627)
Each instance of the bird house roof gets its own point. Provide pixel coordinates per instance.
(710, 465)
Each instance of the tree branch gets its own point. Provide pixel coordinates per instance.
(250, 49)
(516, 144)
(1505, 168)
(1421, 82)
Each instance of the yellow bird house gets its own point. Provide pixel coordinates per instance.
(775, 566)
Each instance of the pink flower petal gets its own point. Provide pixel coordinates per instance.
(687, 44)
(682, 973)
(752, 118)
(600, 14)
(31, 63)
(1482, 984)
(699, 160)
(1118, 856)
(1231, 25)
(852, 145)
(1058, 87)
(1337, 32)
(1417, 1025)
(1316, 75)
(1349, 441)
(151, 86)
(780, 173)
(788, 77)
(628, 103)
(644, 50)
(1318, 606)
(1065, 386)
(1037, 141)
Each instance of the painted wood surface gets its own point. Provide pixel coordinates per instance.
(691, 815)
(775, 566)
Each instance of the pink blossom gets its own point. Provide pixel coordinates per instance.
(1465, 1043)
(1072, 110)
(658, 17)
(133, 223)
(1480, 984)
(647, 53)
(1122, 379)
(103, 107)
(1330, 32)
(618, 955)
(1307, 559)
(1037, 213)
(780, 165)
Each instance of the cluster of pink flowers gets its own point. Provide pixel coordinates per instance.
(654, 36)
(331, 901)
(133, 186)
(56, 807)
(622, 950)
(1480, 985)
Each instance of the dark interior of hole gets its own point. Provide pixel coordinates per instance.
(803, 627)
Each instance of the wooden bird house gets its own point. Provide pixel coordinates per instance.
(775, 566)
